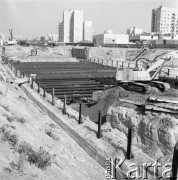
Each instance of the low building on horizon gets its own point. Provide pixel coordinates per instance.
(151, 37)
(109, 38)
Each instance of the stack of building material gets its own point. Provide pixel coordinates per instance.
(162, 104)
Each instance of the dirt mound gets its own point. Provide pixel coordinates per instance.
(108, 98)
(19, 52)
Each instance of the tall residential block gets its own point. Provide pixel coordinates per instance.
(77, 26)
(87, 31)
(71, 29)
(165, 20)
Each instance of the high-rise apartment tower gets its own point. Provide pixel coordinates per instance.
(73, 28)
(165, 20)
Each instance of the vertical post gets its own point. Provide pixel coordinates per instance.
(64, 105)
(20, 74)
(98, 60)
(15, 72)
(117, 64)
(129, 144)
(112, 63)
(122, 64)
(99, 124)
(53, 103)
(102, 62)
(168, 72)
(32, 83)
(44, 92)
(80, 114)
(29, 79)
(94, 59)
(38, 87)
(175, 163)
(90, 59)
(23, 74)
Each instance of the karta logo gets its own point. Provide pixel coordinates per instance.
(141, 171)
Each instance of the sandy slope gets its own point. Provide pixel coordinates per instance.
(20, 117)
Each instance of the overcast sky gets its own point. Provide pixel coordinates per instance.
(33, 18)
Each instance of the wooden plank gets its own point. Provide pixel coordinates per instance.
(160, 109)
(160, 99)
(166, 105)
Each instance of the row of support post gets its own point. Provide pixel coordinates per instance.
(107, 62)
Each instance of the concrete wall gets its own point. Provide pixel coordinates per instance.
(98, 39)
(80, 52)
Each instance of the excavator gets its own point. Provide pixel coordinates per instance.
(135, 79)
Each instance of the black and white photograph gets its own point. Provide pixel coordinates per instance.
(88, 89)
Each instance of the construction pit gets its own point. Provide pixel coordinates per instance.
(153, 117)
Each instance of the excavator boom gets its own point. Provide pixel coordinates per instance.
(135, 77)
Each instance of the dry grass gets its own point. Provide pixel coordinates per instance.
(10, 118)
(8, 136)
(13, 118)
(21, 120)
(41, 158)
(51, 134)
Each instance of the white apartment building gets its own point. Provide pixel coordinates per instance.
(87, 31)
(165, 20)
(72, 28)
(77, 26)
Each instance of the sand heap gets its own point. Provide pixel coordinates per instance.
(58, 53)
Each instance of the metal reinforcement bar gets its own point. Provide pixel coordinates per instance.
(74, 96)
(59, 81)
(75, 89)
(74, 86)
(55, 64)
(77, 75)
(72, 92)
(68, 83)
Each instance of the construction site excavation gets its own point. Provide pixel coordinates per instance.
(123, 109)
(82, 102)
